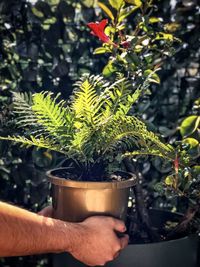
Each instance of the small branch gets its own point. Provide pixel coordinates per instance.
(183, 224)
(141, 209)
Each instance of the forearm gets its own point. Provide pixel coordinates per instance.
(25, 233)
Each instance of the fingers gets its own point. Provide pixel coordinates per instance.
(47, 211)
(119, 226)
(124, 241)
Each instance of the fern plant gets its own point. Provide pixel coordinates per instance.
(92, 130)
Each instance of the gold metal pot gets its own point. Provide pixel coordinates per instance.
(74, 201)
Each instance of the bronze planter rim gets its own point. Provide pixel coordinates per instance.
(91, 185)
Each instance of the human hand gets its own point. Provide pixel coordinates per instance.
(46, 212)
(96, 242)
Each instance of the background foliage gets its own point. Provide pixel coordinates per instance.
(46, 46)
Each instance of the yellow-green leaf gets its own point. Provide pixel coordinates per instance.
(194, 147)
(196, 170)
(191, 141)
(154, 20)
(117, 4)
(165, 36)
(51, 20)
(189, 125)
(109, 69)
(37, 13)
(126, 12)
(169, 180)
(53, 2)
(172, 27)
(106, 10)
(88, 3)
(137, 3)
(101, 50)
(152, 76)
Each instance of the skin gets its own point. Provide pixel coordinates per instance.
(93, 241)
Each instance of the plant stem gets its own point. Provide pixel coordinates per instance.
(183, 224)
(141, 209)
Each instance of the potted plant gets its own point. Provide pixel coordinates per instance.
(93, 132)
(97, 132)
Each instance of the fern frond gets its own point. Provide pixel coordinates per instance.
(84, 103)
(22, 103)
(49, 113)
(149, 152)
(133, 127)
(32, 141)
(128, 133)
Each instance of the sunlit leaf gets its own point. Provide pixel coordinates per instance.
(106, 10)
(196, 170)
(172, 27)
(194, 147)
(88, 3)
(164, 36)
(154, 20)
(189, 125)
(101, 50)
(53, 2)
(137, 3)
(117, 4)
(153, 77)
(37, 13)
(109, 69)
(126, 12)
(169, 180)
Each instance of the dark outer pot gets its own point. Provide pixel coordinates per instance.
(183, 252)
(75, 201)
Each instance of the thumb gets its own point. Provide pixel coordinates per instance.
(124, 241)
(47, 212)
(119, 226)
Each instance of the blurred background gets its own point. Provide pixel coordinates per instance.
(45, 45)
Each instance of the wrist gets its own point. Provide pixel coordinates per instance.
(65, 236)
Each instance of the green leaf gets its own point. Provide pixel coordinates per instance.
(88, 3)
(46, 27)
(152, 76)
(126, 12)
(137, 3)
(189, 125)
(154, 20)
(106, 10)
(172, 27)
(51, 20)
(191, 141)
(164, 36)
(196, 170)
(53, 2)
(117, 4)
(194, 148)
(101, 50)
(37, 13)
(109, 69)
(159, 188)
(169, 180)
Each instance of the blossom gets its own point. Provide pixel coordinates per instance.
(97, 29)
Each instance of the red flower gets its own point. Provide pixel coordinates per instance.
(98, 30)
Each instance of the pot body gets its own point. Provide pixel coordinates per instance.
(75, 201)
(182, 252)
